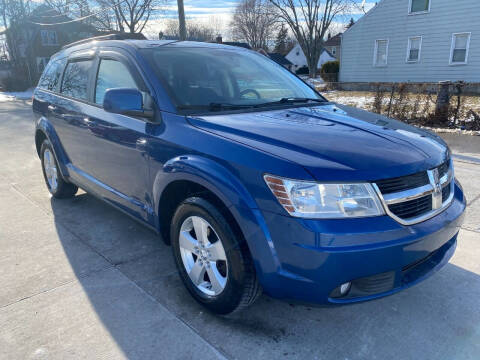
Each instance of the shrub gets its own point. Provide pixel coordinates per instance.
(329, 71)
(17, 80)
(378, 100)
(302, 71)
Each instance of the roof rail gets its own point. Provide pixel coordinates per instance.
(118, 36)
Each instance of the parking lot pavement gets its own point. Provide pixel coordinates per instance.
(81, 280)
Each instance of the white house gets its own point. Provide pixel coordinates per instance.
(298, 59)
(414, 41)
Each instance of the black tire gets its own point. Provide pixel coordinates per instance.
(242, 287)
(64, 189)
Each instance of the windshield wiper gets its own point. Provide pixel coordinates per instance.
(290, 100)
(214, 107)
(227, 106)
(219, 106)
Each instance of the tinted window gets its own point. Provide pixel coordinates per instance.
(198, 77)
(112, 74)
(75, 80)
(51, 76)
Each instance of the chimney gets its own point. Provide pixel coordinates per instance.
(219, 39)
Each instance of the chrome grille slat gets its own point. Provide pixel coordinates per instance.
(414, 205)
(408, 194)
(403, 183)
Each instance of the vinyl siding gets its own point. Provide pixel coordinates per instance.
(390, 20)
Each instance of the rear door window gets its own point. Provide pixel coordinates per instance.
(52, 75)
(75, 79)
(112, 74)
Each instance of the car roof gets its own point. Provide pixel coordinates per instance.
(143, 44)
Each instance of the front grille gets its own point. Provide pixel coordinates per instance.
(445, 193)
(402, 183)
(412, 208)
(412, 198)
(443, 169)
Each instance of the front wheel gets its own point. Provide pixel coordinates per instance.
(214, 264)
(56, 184)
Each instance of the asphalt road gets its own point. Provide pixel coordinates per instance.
(79, 279)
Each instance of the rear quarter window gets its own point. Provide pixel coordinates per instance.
(51, 76)
(75, 80)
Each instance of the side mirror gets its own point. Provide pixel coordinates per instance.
(126, 102)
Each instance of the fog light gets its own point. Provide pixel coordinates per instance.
(345, 288)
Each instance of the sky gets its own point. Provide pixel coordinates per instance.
(203, 8)
(221, 10)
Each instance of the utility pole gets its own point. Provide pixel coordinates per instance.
(181, 20)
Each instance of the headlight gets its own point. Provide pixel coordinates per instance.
(325, 201)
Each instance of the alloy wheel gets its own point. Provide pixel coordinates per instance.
(50, 169)
(203, 255)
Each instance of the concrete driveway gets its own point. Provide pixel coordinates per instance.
(79, 279)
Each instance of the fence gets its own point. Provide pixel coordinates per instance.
(447, 105)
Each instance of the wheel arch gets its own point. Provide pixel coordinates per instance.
(44, 130)
(179, 190)
(40, 137)
(191, 175)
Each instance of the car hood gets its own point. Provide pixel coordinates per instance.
(333, 142)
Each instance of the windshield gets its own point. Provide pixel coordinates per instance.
(221, 79)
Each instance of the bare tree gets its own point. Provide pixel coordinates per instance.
(101, 18)
(14, 13)
(132, 15)
(71, 8)
(309, 21)
(254, 21)
(195, 30)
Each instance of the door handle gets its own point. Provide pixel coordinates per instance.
(87, 121)
(51, 107)
(141, 143)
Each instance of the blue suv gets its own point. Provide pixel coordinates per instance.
(255, 179)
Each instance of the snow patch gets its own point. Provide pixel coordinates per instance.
(16, 95)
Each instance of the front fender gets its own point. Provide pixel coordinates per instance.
(42, 124)
(211, 175)
(228, 188)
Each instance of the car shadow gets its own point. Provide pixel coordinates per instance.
(438, 318)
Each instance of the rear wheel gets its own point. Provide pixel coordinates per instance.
(214, 264)
(54, 180)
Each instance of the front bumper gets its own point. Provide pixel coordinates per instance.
(378, 255)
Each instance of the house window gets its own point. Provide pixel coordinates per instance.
(42, 63)
(418, 6)
(414, 48)
(334, 50)
(381, 53)
(460, 47)
(49, 37)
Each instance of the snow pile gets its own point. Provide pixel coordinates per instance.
(312, 82)
(451, 131)
(16, 95)
(362, 102)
